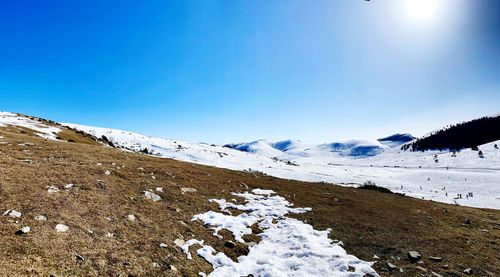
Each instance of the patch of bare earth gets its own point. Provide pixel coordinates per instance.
(97, 206)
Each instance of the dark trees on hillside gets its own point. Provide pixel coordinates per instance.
(464, 135)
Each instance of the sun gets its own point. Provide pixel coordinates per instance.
(422, 10)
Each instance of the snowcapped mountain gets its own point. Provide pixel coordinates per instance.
(291, 149)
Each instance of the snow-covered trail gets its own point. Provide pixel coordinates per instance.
(288, 247)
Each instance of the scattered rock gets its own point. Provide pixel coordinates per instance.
(79, 257)
(376, 257)
(126, 263)
(421, 268)
(188, 190)
(107, 172)
(179, 242)
(40, 218)
(90, 231)
(391, 266)
(445, 266)
(153, 177)
(436, 259)
(152, 196)
(12, 213)
(163, 245)
(251, 243)
(68, 186)
(436, 274)
(52, 189)
(414, 256)
(229, 244)
(23, 230)
(171, 267)
(61, 228)
(110, 235)
(159, 189)
(155, 264)
(468, 271)
(131, 217)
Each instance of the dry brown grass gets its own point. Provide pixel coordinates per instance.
(368, 222)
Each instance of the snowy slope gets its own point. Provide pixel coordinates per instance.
(43, 130)
(413, 173)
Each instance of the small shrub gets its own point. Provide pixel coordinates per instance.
(370, 185)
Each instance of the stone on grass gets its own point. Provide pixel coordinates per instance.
(179, 242)
(188, 190)
(61, 228)
(421, 268)
(131, 217)
(107, 172)
(436, 274)
(23, 230)
(12, 213)
(68, 186)
(152, 196)
(468, 271)
(40, 218)
(435, 259)
(79, 257)
(159, 189)
(52, 189)
(163, 245)
(173, 268)
(414, 256)
(391, 266)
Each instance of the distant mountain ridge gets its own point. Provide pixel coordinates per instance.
(351, 148)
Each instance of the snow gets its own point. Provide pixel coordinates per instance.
(288, 247)
(401, 171)
(42, 130)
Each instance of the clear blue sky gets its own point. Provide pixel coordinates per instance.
(230, 71)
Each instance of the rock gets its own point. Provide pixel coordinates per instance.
(23, 230)
(153, 177)
(179, 242)
(110, 235)
(68, 186)
(391, 266)
(79, 257)
(12, 213)
(131, 217)
(467, 221)
(52, 189)
(251, 243)
(376, 257)
(155, 264)
(40, 218)
(229, 244)
(171, 267)
(152, 196)
(159, 189)
(107, 172)
(421, 268)
(436, 259)
(436, 274)
(61, 228)
(126, 263)
(163, 245)
(184, 190)
(414, 256)
(468, 271)
(445, 266)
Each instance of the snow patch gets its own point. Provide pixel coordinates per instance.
(288, 247)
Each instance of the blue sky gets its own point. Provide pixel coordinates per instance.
(231, 71)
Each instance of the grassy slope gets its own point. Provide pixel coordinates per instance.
(368, 222)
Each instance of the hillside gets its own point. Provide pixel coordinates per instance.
(456, 137)
(415, 174)
(53, 175)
